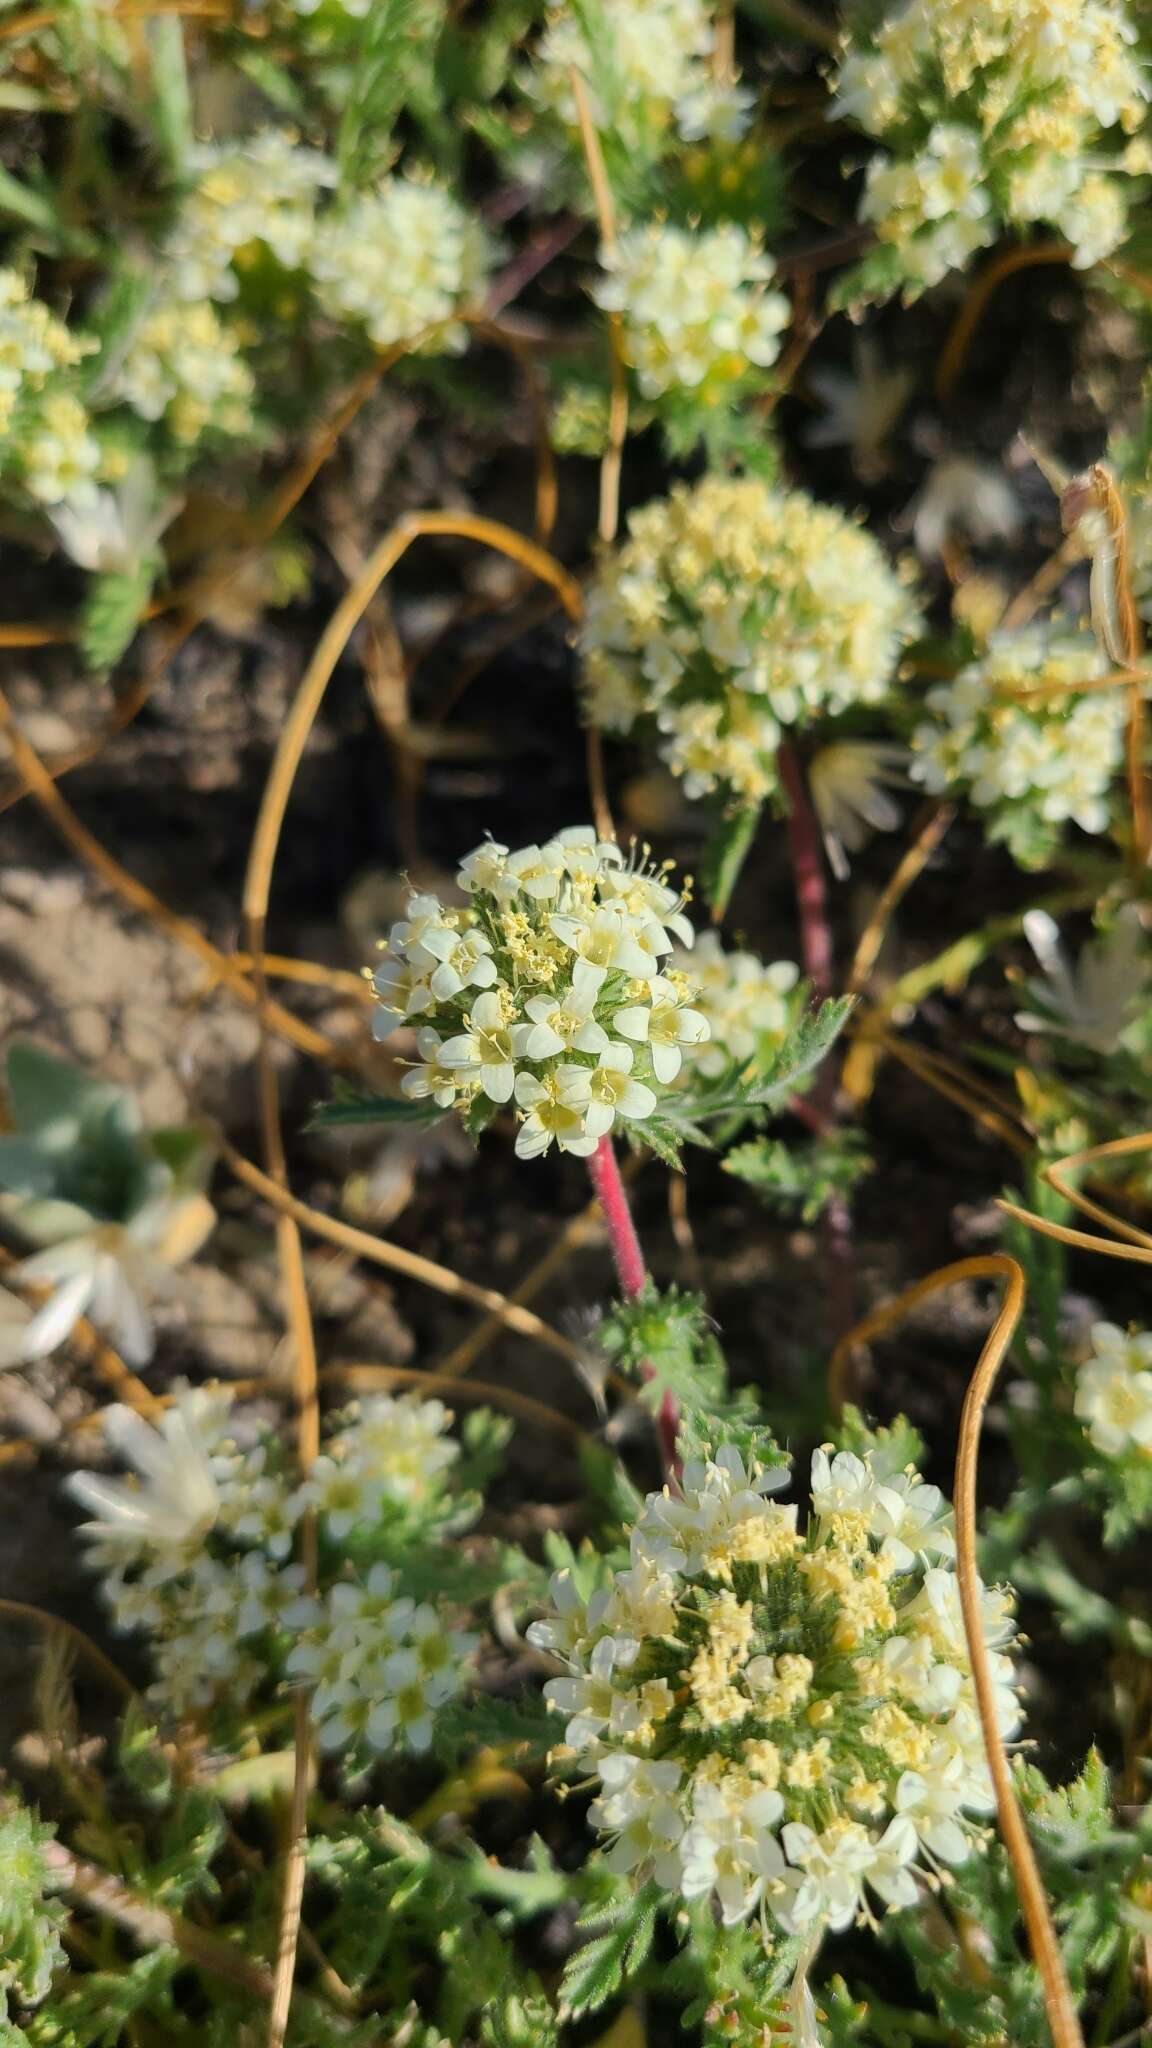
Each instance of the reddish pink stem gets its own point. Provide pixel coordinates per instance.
(819, 965)
(604, 1173)
(808, 868)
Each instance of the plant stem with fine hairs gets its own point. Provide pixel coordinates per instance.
(817, 954)
(631, 1272)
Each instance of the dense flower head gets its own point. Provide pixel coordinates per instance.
(657, 56)
(381, 1664)
(552, 989)
(390, 1453)
(994, 111)
(731, 613)
(749, 1005)
(262, 191)
(183, 365)
(781, 1716)
(46, 441)
(695, 309)
(401, 260)
(1114, 1391)
(194, 1549)
(1032, 762)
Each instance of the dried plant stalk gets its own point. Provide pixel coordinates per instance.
(1042, 1938)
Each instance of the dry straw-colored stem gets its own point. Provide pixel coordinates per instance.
(75, 1638)
(381, 1253)
(154, 1926)
(1063, 2023)
(1136, 1245)
(368, 1379)
(926, 839)
(977, 302)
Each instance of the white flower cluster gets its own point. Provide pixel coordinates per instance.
(731, 613)
(193, 1551)
(749, 1007)
(551, 990)
(695, 308)
(656, 54)
(1114, 1391)
(781, 1719)
(184, 366)
(1034, 763)
(391, 1453)
(381, 1664)
(400, 261)
(259, 192)
(994, 111)
(46, 440)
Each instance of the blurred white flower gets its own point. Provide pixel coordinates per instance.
(961, 496)
(862, 408)
(847, 782)
(1096, 1002)
(1114, 1391)
(15, 1315)
(107, 1271)
(174, 1498)
(109, 533)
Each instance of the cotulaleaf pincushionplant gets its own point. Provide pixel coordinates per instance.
(996, 113)
(657, 57)
(551, 990)
(193, 1549)
(1114, 1391)
(731, 614)
(749, 1006)
(695, 311)
(781, 1717)
(1033, 763)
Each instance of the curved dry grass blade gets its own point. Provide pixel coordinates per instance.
(911, 864)
(1115, 1148)
(413, 1264)
(1042, 1938)
(364, 1378)
(25, 1610)
(976, 305)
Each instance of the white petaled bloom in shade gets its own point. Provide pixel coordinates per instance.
(107, 1271)
(1114, 1391)
(1032, 762)
(173, 1499)
(695, 310)
(781, 1717)
(562, 1002)
(996, 113)
(962, 499)
(656, 52)
(732, 614)
(749, 1006)
(848, 786)
(1103, 1001)
(380, 1663)
(862, 409)
(403, 262)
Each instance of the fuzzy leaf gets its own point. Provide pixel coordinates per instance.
(597, 1971)
(113, 609)
(372, 1109)
(728, 847)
